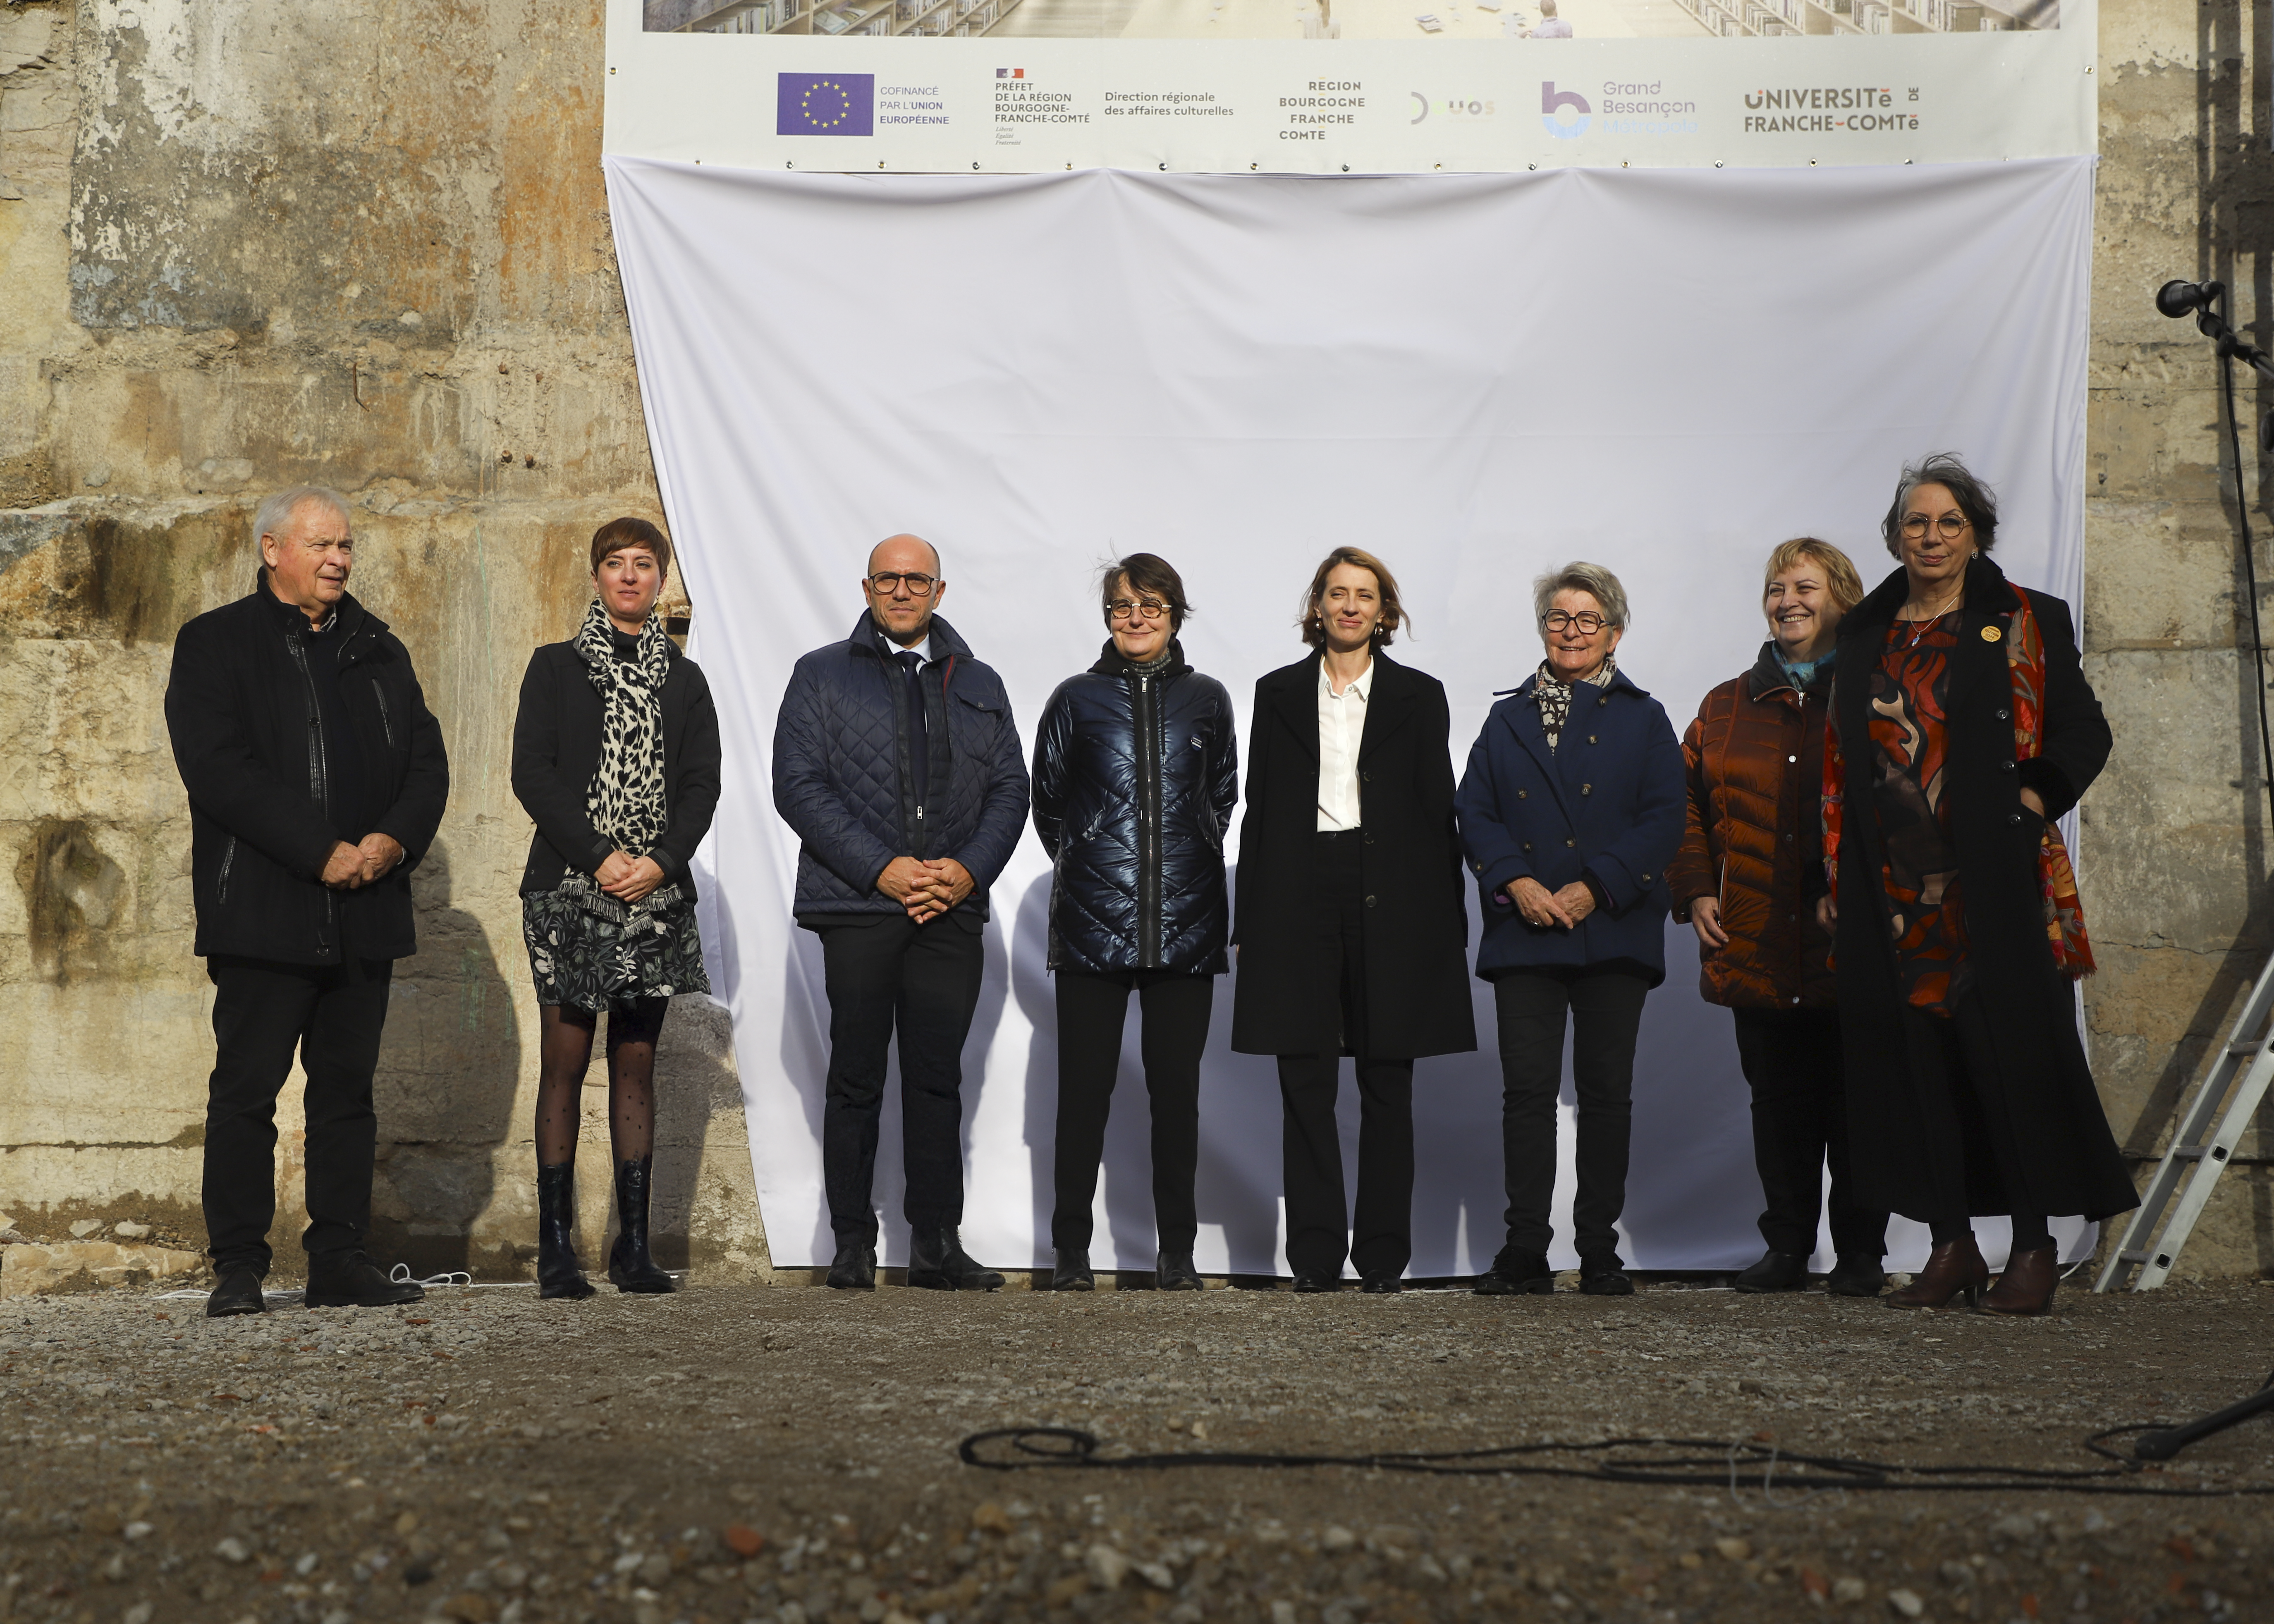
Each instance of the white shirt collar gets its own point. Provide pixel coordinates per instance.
(1362, 685)
(920, 648)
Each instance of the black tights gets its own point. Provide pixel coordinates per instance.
(565, 1054)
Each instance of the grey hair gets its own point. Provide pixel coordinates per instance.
(1977, 500)
(1577, 577)
(274, 516)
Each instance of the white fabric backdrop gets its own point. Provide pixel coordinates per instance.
(1478, 377)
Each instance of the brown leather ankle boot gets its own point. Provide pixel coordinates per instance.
(1954, 1268)
(2026, 1285)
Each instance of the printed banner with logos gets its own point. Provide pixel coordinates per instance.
(1476, 377)
(1360, 86)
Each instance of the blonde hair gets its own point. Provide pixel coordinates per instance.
(1840, 576)
(1393, 612)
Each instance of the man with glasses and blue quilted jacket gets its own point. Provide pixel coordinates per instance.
(897, 763)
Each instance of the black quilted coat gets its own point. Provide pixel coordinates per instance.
(841, 779)
(1135, 778)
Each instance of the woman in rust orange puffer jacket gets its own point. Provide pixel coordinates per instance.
(1743, 881)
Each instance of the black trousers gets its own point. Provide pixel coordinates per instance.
(1792, 1061)
(1604, 1004)
(886, 974)
(264, 1013)
(1092, 1009)
(1321, 1230)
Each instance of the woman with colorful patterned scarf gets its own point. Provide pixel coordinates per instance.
(615, 755)
(1962, 727)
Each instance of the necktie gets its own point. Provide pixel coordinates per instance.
(919, 741)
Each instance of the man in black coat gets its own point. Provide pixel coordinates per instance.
(316, 779)
(897, 763)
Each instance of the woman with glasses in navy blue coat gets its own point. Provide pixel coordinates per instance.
(1570, 809)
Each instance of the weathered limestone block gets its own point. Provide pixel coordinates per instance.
(31, 1270)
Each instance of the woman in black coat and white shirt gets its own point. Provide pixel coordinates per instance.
(1136, 772)
(1351, 917)
(615, 755)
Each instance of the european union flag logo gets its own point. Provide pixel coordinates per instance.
(826, 104)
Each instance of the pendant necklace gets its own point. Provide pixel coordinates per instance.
(1919, 627)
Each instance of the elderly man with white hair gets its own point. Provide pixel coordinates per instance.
(316, 779)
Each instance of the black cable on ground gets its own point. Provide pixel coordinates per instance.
(1699, 1463)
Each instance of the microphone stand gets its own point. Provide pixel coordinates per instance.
(2163, 1445)
(2230, 345)
(2176, 300)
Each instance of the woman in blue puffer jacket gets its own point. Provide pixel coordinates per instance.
(1136, 773)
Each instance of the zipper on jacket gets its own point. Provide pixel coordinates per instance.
(1146, 733)
(221, 885)
(319, 777)
(385, 722)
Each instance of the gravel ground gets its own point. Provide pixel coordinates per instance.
(789, 1454)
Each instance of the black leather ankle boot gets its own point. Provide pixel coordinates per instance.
(558, 1271)
(629, 1263)
(938, 1263)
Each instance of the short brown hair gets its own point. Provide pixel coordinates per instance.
(1393, 612)
(1840, 576)
(617, 534)
(1144, 572)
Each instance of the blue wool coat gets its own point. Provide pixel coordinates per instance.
(1608, 802)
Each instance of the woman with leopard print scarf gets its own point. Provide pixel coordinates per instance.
(615, 755)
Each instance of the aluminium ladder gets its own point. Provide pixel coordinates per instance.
(2201, 1145)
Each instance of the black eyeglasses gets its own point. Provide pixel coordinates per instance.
(884, 583)
(1950, 526)
(1586, 622)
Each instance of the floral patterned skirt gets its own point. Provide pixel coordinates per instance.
(589, 950)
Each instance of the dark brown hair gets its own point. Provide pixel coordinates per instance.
(1393, 612)
(1144, 572)
(1975, 500)
(617, 534)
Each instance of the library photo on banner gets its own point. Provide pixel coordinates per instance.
(1346, 20)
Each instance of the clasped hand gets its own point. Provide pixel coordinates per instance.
(628, 878)
(352, 868)
(1541, 907)
(926, 889)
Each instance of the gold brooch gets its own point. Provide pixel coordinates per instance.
(1991, 634)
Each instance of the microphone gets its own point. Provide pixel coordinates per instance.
(2182, 298)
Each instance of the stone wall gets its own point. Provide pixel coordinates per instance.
(366, 243)
(2174, 845)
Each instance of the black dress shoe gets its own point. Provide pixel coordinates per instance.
(1518, 1273)
(1381, 1285)
(1173, 1271)
(238, 1293)
(1073, 1272)
(1604, 1277)
(938, 1263)
(853, 1269)
(350, 1280)
(1777, 1271)
(1307, 1281)
(1856, 1276)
